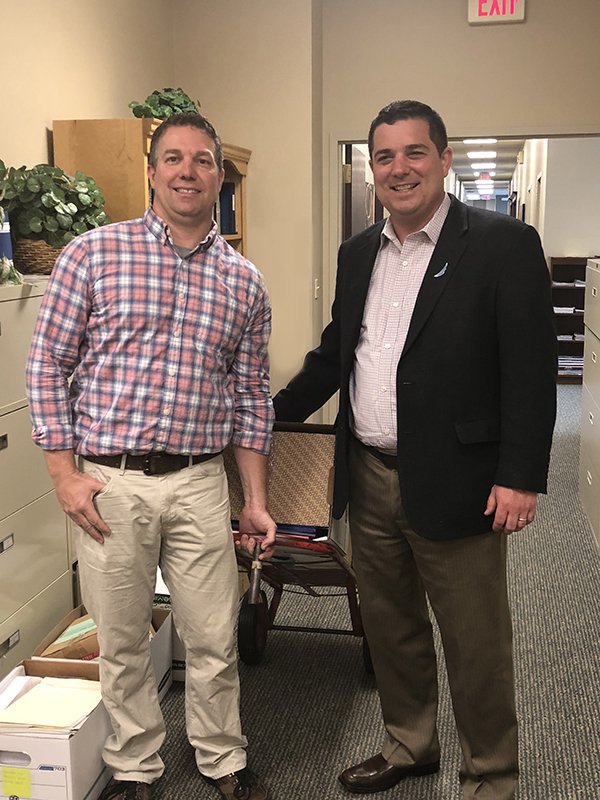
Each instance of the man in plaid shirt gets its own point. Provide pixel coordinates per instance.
(148, 358)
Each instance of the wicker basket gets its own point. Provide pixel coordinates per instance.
(34, 256)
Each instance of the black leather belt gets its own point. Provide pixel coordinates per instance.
(151, 463)
(387, 459)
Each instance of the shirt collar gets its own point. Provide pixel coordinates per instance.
(432, 229)
(160, 230)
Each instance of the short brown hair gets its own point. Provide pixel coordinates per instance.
(190, 121)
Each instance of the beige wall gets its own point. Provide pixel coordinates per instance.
(250, 64)
(288, 79)
(69, 59)
(540, 76)
(572, 198)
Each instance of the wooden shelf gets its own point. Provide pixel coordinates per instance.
(568, 292)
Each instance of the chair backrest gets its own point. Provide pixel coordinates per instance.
(300, 475)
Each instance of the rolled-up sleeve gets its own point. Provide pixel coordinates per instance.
(55, 349)
(253, 421)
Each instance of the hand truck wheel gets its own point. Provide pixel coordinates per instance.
(253, 626)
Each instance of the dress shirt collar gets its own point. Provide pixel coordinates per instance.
(160, 230)
(432, 229)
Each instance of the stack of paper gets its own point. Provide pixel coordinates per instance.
(56, 703)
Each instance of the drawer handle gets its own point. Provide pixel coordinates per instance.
(594, 291)
(591, 418)
(9, 643)
(3, 441)
(7, 543)
(594, 357)
(588, 476)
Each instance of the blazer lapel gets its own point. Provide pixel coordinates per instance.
(447, 253)
(361, 260)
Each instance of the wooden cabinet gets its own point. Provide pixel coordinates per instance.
(568, 291)
(589, 461)
(34, 566)
(115, 153)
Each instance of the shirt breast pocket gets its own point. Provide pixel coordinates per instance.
(217, 334)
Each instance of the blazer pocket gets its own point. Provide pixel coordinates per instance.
(478, 430)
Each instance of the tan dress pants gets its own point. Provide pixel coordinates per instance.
(182, 522)
(465, 581)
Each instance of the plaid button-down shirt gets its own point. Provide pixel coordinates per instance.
(163, 353)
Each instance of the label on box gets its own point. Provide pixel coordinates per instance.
(16, 782)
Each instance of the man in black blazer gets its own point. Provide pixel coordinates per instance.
(443, 348)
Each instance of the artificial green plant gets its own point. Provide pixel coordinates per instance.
(45, 203)
(163, 103)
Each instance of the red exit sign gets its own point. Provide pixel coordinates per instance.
(483, 12)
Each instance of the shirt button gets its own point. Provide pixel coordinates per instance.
(166, 412)
(386, 431)
(172, 370)
(176, 333)
(405, 263)
(395, 305)
(387, 346)
(384, 388)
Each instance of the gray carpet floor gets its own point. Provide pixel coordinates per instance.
(309, 709)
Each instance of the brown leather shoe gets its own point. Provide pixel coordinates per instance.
(240, 785)
(376, 774)
(126, 790)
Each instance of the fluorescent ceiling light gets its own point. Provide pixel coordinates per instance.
(475, 154)
(483, 165)
(480, 141)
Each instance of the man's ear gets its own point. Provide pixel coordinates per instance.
(447, 158)
(151, 172)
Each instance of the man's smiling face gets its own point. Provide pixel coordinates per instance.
(409, 173)
(186, 180)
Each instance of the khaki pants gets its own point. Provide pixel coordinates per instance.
(465, 580)
(181, 521)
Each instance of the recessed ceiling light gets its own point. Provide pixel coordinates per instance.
(483, 165)
(480, 141)
(482, 154)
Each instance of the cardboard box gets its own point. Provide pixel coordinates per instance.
(160, 645)
(56, 765)
(79, 640)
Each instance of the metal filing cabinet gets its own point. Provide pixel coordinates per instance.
(589, 464)
(35, 579)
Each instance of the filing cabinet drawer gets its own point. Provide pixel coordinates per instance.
(591, 315)
(33, 552)
(589, 491)
(590, 427)
(22, 465)
(25, 629)
(591, 365)
(17, 321)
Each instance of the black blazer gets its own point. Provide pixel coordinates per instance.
(476, 381)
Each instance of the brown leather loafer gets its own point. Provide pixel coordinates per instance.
(376, 774)
(240, 785)
(126, 790)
